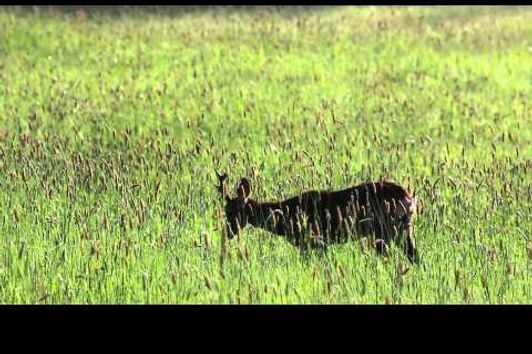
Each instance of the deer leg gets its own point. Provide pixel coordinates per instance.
(381, 247)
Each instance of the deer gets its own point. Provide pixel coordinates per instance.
(380, 211)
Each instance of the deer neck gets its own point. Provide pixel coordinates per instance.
(261, 214)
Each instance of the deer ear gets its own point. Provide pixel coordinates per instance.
(221, 187)
(244, 189)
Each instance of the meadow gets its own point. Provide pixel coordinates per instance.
(112, 125)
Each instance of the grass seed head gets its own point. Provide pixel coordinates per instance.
(510, 268)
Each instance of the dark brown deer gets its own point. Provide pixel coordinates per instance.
(381, 210)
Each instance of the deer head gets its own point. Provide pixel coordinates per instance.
(237, 210)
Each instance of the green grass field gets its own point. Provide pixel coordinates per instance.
(112, 125)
